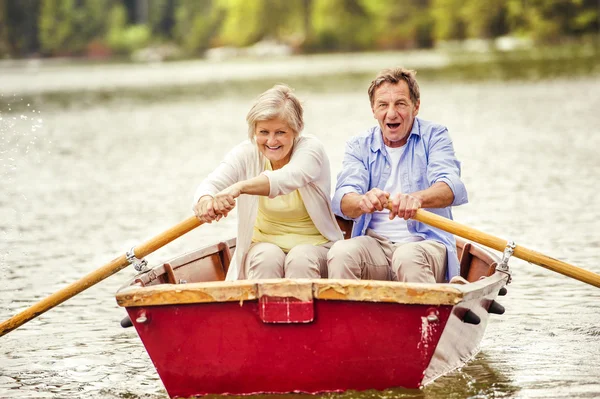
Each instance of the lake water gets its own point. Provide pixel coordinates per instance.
(84, 177)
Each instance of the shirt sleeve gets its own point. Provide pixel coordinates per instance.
(305, 166)
(353, 178)
(444, 166)
(227, 173)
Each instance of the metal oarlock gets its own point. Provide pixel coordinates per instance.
(508, 252)
(139, 264)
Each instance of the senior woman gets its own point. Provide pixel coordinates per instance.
(281, 181)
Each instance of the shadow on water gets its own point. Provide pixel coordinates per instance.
(479, 379)
(464, 67)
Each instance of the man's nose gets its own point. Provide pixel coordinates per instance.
(391, 112)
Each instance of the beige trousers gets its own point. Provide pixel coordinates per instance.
(373, 257)
(266, 260)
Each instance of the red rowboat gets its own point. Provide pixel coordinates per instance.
(209, 336)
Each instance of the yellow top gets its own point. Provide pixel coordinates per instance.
(284, 221)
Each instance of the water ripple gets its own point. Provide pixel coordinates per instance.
(101, 179)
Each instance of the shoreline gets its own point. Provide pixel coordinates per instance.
(85, 84)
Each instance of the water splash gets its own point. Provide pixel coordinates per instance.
(21, 143)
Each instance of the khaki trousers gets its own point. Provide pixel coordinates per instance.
(266, 260)
(373, 257)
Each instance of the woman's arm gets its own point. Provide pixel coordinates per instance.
(227, 173)
(224, 201)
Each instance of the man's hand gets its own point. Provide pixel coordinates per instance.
(404, 206)
(374, 200)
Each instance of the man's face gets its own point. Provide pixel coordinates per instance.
(395, 112)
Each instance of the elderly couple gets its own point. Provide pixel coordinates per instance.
(286, 220)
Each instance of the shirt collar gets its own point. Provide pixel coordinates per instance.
(377, 143)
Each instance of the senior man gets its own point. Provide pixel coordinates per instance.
(410, 163)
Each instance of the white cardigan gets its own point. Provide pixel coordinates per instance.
(308, 172)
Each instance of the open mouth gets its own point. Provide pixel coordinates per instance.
(273, 148)
(392, 125)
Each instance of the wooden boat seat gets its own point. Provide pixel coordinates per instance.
(472, 268)
(206, 264)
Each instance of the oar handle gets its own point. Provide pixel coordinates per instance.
(499, 244)
(98, 275)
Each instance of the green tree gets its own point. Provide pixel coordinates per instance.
(122, 37)
(549, 20)
(197, 23)
(484, 19)
(67, 26)
(161, 18)
(19, 27)
(447, 20)
(462, 19)
(247, 22)
(342, 25)
(401, 23)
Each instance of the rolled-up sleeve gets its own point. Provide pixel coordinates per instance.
(443, 166)
(353, 178)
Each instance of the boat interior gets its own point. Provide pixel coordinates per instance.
(211, 263)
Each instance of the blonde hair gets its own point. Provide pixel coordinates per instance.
(277, 102)
(394, 76)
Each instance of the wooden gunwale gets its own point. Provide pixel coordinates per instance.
(344, 290)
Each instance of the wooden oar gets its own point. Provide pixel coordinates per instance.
(98, 275)
(499, 244)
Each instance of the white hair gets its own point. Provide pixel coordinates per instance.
(277, 102)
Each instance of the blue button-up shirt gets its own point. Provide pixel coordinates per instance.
(428, 158)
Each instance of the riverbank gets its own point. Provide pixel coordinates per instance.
(80, 83)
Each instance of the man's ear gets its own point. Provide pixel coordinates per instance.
(417, 105)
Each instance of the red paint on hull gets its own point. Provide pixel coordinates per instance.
(216, 348)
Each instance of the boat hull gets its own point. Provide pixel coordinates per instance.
(310, 336)
(225, 348)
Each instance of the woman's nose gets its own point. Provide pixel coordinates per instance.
(272, 139)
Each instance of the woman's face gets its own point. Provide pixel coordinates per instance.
(275, 139)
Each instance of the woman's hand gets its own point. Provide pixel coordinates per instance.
(224, 201)
(204, 210)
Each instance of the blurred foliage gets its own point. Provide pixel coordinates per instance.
(161, 19)
(401, 24)
(19, 27)
(548, 20)
(469, 19)
(247, 22)
(197, 23)
(105, 27)
(123, 38)
(66, 27)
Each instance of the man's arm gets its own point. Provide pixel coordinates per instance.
(439, 195)
(352, 181)
(444, 167)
